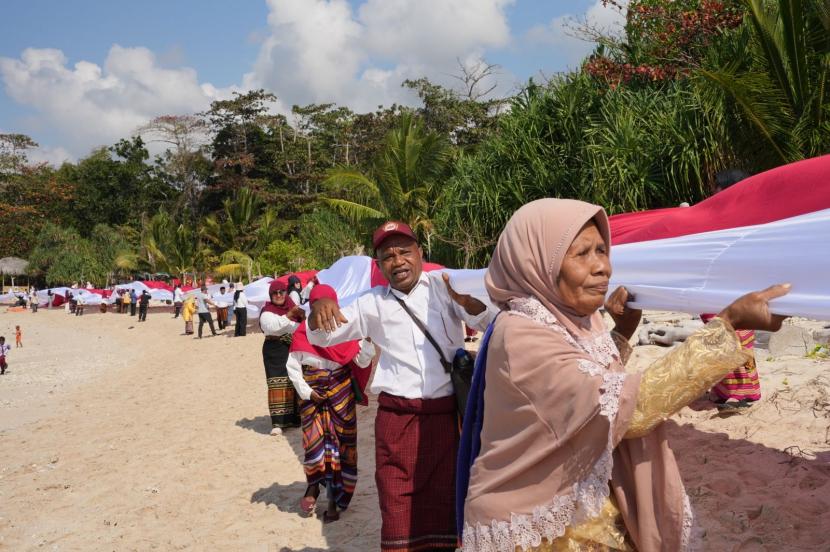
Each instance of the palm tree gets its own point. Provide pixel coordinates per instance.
(168, 245)
(243, 225)
(234, 264)
(783, 92)
(404, 182)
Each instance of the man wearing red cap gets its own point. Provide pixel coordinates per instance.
(416, 428)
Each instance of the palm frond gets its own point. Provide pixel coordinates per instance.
(354, 211)
(758, 110)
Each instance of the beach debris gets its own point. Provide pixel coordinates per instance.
(668, 334)
(791, 340)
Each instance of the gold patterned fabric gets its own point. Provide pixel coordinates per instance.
(685, 374)
(604, 533)
(668, 385)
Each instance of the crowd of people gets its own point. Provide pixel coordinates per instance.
(560, 450)
(557, 447)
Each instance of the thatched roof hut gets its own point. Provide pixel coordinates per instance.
(13, 266)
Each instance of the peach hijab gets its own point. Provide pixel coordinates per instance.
(581, 391)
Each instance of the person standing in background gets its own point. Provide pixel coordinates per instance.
(126, 301)
(178, 299)
(202, 302)
(231, 307)
(240, 309)
(133, 301)
(295, 289)
(221, 310)
(143, 305)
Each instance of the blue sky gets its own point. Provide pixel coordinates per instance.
(76, 75)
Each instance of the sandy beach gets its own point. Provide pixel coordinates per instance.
(116, 435)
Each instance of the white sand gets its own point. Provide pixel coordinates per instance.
(116, 435)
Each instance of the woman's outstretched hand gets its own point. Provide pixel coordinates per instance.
(751, 311)
(625, 318)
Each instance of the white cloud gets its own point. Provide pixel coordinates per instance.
(88, 105)
(559, 32)
(54, 156)
(323, 51)
(312, 51)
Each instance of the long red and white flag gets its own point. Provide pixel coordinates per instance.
(770, 228)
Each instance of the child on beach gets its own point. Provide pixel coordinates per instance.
(3, 350)
(18, 336)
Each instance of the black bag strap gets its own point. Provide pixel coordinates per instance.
(447, 365)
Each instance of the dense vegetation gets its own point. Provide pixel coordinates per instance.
(696, 86)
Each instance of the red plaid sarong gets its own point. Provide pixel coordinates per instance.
(416, 444)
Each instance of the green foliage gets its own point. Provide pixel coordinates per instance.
(281, 257)
(114, 186)
(63, 256)
(778, 77)
(329, 236)
(627, 149)
(404, 183)
(242, 225)
(466, 117)
(13, 152)
(29, 198)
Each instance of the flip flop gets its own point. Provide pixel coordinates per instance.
(307, 504)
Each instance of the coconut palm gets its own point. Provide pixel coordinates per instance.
(782, 92)
(403, 184)
(243, 224)
(235, 264)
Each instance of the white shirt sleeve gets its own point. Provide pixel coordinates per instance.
(294, 366)
(353, 329)
(366, 354)
(274, 324)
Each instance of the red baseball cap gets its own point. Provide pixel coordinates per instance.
(389, 229)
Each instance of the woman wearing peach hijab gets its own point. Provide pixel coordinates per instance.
(569, 452)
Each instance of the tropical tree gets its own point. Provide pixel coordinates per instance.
(243, 224)
(234, 264)
(403, 184)
(62, 256)
(781, 88)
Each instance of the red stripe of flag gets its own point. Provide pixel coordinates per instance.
(784, 192)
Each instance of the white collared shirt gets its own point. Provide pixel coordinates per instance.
(298, 359)
(409, 366)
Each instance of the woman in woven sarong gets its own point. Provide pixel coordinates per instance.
(740, 387)
(561, 448)
(325, 379)
(279, 319)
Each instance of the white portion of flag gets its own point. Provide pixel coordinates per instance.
(702, 273)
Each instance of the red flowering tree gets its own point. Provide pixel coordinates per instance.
(663, 39)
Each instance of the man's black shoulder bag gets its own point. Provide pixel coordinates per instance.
(460, 369)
